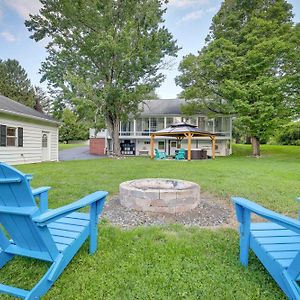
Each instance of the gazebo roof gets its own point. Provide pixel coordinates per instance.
(182, 129)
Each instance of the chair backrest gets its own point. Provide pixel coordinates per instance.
(17, 206)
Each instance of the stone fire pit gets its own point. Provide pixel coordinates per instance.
(160, 195)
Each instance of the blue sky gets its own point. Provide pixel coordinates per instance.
(188, 20)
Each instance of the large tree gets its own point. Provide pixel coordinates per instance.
(249, 66)
(15, 84)
(105, 54)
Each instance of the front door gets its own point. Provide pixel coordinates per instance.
(45, 146)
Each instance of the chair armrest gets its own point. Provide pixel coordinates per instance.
(52, 215)
(38, 191)
(265, 213)
(42, 194)
(28, 176)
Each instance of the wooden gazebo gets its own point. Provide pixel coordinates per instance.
(184, 130)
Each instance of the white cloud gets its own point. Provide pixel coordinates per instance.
(212, 9)
(187, 3)
(8, 36)
(192, 16)
(24, 7)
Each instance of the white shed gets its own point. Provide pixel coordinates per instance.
(26, 135)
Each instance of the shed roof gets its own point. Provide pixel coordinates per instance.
(12, 107)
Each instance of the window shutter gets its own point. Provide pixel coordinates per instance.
(3, 135)
(20, 137)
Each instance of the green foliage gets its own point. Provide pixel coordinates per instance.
(72, 128)
(250, 66)
(289, 134)
(105, 56)
(15, 84)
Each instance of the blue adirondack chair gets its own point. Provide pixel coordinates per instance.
(36, 232)
(180, 154)
(160, 154)
(275, 243)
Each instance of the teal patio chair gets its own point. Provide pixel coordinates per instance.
(160, 154)
(36, 232)
(180, 154)
(276, 243)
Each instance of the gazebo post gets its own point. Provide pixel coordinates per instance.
(152, 146)
(189, 145)
(213, 145)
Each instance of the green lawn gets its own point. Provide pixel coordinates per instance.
(171, 262)
(69, 146)
(272, 180)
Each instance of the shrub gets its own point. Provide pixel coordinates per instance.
(289, 134)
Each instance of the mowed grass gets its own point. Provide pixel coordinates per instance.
(173, 262)
(273, 180)
(153, 263)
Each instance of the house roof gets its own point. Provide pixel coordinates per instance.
(162, 107)
(12, 107)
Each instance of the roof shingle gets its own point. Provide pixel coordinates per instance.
(10, 106)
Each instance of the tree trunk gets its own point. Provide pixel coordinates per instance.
(255, 146)
(114, 131)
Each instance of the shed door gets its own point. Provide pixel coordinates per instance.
(45, 146)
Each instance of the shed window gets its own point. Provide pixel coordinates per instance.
(11, 136)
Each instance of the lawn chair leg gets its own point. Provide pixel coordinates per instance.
(292, 287)
(42, 286)
(93, 228)
(245, 238)
(244, 218)
(4, 258)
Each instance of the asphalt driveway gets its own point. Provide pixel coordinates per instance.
(78, 153)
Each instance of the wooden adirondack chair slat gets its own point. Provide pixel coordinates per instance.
(273, 233)
(68, 234)
(65, 227)
(36, 232)
(276, 244)
(281, 247)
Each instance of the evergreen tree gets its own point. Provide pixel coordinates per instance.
(15, 84)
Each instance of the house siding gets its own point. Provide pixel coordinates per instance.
(31, 152)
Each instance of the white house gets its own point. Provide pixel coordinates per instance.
(26, 135)
(159, 114)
